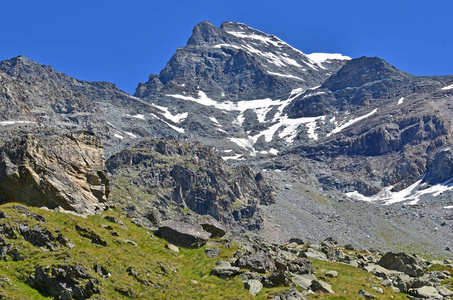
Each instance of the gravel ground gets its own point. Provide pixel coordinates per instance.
(424, 229)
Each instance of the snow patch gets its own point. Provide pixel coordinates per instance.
(214, 120)
(245, 143)
(285, 75)
(450, 87)
(169, 116)
(401, 100)
(412, 193)
(119, 136)
(319, 58)
(5, 123)
(235, 157)
(350, 122)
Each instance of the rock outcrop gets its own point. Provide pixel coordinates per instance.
(55, 169)
(167, 176)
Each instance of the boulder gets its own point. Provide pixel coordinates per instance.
(212, 252)
(403, 262)
(304, 281)
(212, 226)
(225, 270)
(253, 286)
(366, 295)
(183, 234)
(426, 292)
(291, 294)
(278, 279)
(261, 263)
(321, 286)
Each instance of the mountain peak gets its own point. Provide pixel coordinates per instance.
(362, 70)
(205, 32)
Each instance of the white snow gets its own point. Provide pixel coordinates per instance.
(448, 207)
(119, 136)
(450, 87)
(285, 75)
(169, 116)
(213, 119)
(401, 100)
(226, 45)
(130, 134)
(350, 122)
(235, 157)
(5, 123)
(412, 193)
(273, 151)
(262, 38)
(178, 129)
(245, 143)
(139, 116)
(319, 58)
(289, 133)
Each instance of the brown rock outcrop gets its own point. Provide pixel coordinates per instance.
(55, 169)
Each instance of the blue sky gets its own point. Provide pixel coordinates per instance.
(124, 41)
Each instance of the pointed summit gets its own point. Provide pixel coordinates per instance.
(205, 32)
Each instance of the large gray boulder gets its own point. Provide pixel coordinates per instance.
(183, 234)
(403, 262)
(261, 262)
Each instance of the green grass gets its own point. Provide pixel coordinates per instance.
(183, 275)
(349, 281)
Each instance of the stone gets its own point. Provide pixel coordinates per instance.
(63, 282)
(403, 262)
(444, 291)
(212, 226)
(225, 270)
(101, 271)
(313, 254)
(298, 241)
(304, 281)
(253, 286)
(321, 286)
(403, 282)
(426, 292)
(381, 271)
(291, 294)
(331, 274)
(278, 279)
(172, 248)
(91, 235)
(212, 252)
(183, 234)
(366, 295)
(261, 263)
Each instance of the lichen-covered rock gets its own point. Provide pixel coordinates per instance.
(55, 169)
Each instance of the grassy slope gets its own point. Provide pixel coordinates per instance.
(170, 275)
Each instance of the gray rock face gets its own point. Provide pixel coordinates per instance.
(183, 234)
(55, 170)
(403, 262)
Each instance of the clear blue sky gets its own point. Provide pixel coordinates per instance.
(124, 41)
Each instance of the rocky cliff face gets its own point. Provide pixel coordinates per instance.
(55, 170)
(168, 177)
